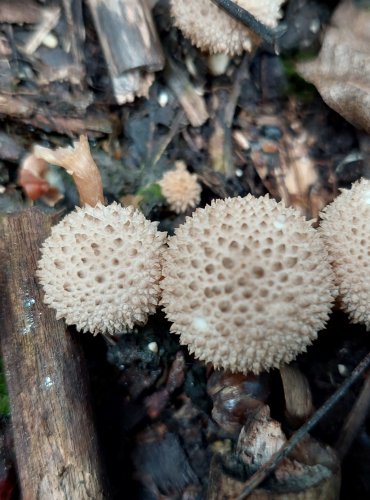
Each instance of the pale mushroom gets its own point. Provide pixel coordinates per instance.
(247, 284)
(345, 231)
(100, 268)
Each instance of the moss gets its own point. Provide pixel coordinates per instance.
(4, 399)
(151, 196)
(296, 85)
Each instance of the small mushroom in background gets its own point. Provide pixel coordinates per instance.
(345, 231)
(100, 268)
(247, 284)
(180, 188)
(213, 30)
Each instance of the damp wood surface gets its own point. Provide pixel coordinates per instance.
(253, 126)
(54, 436)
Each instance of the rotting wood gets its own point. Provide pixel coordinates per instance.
(192, 103)
(56, 448)
(130, 44)
(76, 31)
(28, 111)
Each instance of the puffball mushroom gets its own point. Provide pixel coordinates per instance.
(247, 284)
(212, 30)
(180, 188)
(345, 231)
(100, 268)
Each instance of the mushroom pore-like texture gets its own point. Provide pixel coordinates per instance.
(180, 188)
(345, 230)
(101, 266)
(213, 30)
(247, 284)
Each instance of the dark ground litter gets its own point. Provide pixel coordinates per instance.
(158, 444)
(153, 411)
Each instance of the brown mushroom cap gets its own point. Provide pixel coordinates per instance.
(212, 30)
(101, 266)
(247, 284)
(180, 188)
(345, 230)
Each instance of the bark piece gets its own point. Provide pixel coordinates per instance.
(192, 103)
(54, 437)
(313, 474)
(130, 44)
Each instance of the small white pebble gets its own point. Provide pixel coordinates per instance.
(2, 189)
(163, 98)
(153, 346)
(50, 41)
(315, 26)
(239, 172)
(343, 370)
(48, 382)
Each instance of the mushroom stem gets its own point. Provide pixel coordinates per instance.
(80, 164)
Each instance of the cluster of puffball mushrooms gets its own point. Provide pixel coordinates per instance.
(246, 282)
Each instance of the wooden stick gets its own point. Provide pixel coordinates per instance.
(54, 436)
(130, 44)
(192, 103)
(355, 420)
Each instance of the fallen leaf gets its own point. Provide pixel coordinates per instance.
(341, 72)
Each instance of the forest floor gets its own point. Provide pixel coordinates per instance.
(264, 130)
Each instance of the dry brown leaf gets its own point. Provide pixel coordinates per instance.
(341, 72)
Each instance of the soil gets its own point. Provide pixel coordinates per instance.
(153, 410)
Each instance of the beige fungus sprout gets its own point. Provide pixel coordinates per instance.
(345, 230)
(211, 29)
(100, 267)
(247, 284)
(180, 188)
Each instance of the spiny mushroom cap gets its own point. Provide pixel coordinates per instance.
(101, 266)
(345, 230)
(180, 188)
(247, 284)
(213, 30)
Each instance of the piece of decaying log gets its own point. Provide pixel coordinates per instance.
(130, 44)
(54, 437)
(30, 112)
(20, 12)
(76, 31)
(192, 103)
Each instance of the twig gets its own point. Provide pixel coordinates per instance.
(179, 118)
(276, 459)
(354, 420)
(49, 19)
(268, 35)
(191, 102)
